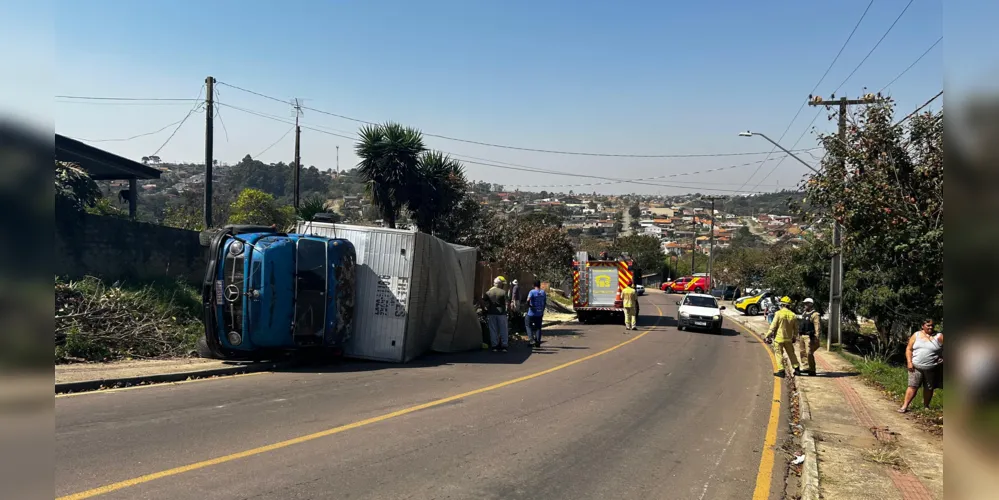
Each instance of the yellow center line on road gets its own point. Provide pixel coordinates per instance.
(765, 474)
(101, 490)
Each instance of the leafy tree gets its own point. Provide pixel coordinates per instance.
(390, 159)
(257, 207)
(187, 210)
(744, 238)
(885, 185)
(645, 250)
(635, 211)
(74, 189)
(591, 205)
(549, 217)
(542, 250)
(440, 186)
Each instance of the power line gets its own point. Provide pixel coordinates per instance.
(498, 164)
(503, 146)
(134, 136)
(101, 98)
(819, 112)
(862, 61)
(125, 103)
(920, 108)
(906, 70)
(218, 111)
(814, 89)
(275, 143)
(181, 124)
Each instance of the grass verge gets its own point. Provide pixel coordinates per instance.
(893, 380)
(99, 322)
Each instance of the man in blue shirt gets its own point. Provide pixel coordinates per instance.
(536, 302)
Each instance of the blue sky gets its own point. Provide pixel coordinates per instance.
(624, 77)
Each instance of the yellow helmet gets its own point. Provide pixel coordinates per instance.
(785, 300)
(500, 279)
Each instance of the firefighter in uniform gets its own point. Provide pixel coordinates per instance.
(781, 334)
(809, 329)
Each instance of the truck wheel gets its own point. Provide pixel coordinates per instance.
(698, 290)
(201, 347)
(752, 310)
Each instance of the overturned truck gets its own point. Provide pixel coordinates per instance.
(267, 291)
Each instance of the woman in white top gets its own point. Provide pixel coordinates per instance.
(924, 359)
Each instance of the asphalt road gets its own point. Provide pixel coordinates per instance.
(668, 415)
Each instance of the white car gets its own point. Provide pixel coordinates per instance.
(639, 290)
(699, 310)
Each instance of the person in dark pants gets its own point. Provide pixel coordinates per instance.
(495, 302)
(537, 300)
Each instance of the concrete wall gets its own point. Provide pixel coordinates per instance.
(119, 249)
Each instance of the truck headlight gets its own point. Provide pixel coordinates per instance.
(717, 317)
(684, 315)
(235, 338)
(236, 247)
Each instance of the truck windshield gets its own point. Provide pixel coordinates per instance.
(310, 291)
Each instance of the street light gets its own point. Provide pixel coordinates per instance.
(792, 155)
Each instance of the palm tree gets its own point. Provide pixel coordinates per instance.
(390, 158)
(312, 206)
(440, 186)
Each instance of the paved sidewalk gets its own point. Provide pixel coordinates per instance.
(865, 449)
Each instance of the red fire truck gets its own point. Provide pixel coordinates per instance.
(597, 285)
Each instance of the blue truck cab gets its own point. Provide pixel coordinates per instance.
(267, 291)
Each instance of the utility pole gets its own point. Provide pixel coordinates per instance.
(711, 248)
(209, 144)
(836, 271)
(338, 161)
(298, 157)
(693, 245)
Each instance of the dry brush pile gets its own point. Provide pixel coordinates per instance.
(95, 321)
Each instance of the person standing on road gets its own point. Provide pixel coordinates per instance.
(924, 359)
(515, 295)
(769, 309)
(809, 329)
(537, 300)
(629, 300)
(495, 302)
(782, 333)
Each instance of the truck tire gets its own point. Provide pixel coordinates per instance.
(201, 347)
(752, 310)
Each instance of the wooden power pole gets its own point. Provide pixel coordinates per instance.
(836, 271)
(298, 157)
(209, 144)
(711, 247)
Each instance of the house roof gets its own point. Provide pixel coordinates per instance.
(101, 165)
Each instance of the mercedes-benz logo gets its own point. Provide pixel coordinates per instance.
(232, 293)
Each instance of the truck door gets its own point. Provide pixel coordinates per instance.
(310, 292)
(603, 285)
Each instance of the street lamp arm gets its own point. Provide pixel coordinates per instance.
(792, 155)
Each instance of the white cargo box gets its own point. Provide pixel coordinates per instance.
(414, 293)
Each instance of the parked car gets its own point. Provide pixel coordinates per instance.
(699, 310)
(640, 290)
(750, 305)
(725, 293)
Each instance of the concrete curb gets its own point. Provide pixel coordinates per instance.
(107, 383)
(810, 467)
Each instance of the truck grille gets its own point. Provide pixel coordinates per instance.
(701, 318)
(232, 294)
